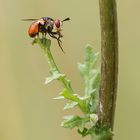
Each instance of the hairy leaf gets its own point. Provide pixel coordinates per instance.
(68, 95)
(71, 121)
(81, 101)
(74, 121)
(88, 71)
(91, 78)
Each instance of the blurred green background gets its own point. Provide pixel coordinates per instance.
(27, 111)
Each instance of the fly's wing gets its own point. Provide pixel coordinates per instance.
(48, 18)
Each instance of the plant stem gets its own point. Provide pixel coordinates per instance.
(45, 44)
(51, 61)
(109, 62)
(54, 68)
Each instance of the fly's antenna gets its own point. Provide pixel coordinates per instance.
(66, 19)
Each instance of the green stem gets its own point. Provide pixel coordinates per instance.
(45, 44)
(55, 69)
(51, 61)
(109, 62)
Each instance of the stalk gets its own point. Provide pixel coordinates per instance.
(109, 63)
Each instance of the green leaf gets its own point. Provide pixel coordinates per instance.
(95, 79)
(91, 78)
(88, 72)
(67, 95)
(53, 77)
(70, 105)
(74, 121)
(91, 57)
(90, 61)
(71, 121)
(81, 101)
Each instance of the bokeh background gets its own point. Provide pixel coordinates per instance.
(27, 110)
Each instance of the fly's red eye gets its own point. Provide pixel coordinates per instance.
(57, 23)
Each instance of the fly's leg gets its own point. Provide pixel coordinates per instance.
(58, 40)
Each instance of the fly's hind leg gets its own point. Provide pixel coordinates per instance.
(58, 40)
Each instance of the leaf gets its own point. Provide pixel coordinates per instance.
(91, 57)
(94, 81)
(53, 77)
(91, 78)
(81, 101)
(67, 95)
(71, 121)
(70, 105)
(88, 72)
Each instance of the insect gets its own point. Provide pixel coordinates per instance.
(47, 25)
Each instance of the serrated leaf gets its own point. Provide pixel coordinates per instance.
(53, 77)
(81, 101)
(91, 78)
(93, 104)
(71, 121)
(91, 57)
(92, 84)
(68, 95)
(70, 105)
(74, 121)
(88, 72)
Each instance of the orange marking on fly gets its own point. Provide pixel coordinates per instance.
(47, 25)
